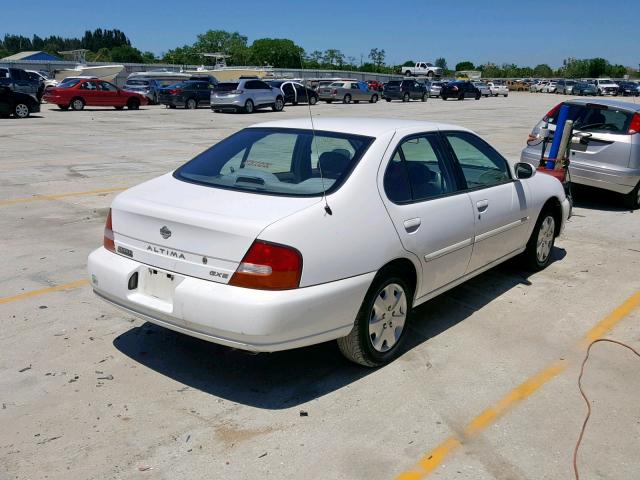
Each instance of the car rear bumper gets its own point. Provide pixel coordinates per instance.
(255, 320)
(616, 179)
(231, 102)
(173, 101)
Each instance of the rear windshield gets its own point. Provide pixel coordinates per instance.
(277, 161)
(597, 118)
(69, 84)
(225, 87)
(337, 84)
(393, 83)
(138, 82)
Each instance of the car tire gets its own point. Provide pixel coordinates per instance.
(461, 97)
(278, 106)
(329, 101)
(313, 100)
(374, 340)
(430, 74)
(63, 107)
(538, 252)
(632, 199)
(356, 101)
(506, 95)
(171, 106)
(21, 110)
(133, 104)
(77, 104)
(249, 107)
(191, 104)
(346, 99)
(423, 98)
(119, 108)
(406, 97)
(374, 99)
(388, 99)
(407, 73)
(478, 95)
(444, 97)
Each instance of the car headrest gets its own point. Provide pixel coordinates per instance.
(333, 164)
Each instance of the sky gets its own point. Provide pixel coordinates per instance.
(523, 32)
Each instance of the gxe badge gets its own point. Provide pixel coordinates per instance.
(165, 232)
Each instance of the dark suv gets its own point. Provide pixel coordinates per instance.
(460, 90)
(189, 94)
(20, 81)
(405, 90)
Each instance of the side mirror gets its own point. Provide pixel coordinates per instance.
(524, 170)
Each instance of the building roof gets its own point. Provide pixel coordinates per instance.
(31, 55)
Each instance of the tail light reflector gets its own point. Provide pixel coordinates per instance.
(269, 266)
(108, 235)
(634, 126)
(175, 91)
(237, 92)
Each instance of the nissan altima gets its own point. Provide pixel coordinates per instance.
(289, 233)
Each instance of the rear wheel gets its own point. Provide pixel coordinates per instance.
(461, 96)
(424, 97)
(374, 99)
(21, 110)
(248, 106)
(430, 74)
(191, 104)
(313, 100)
(407, 73)
(537, 254)
(119, 108)
(278, 106)
(381, 323)
(632, 199)
(478, 96)
(133, 104)
(346, 99)
(77, 104)
(329, 101)
(444, 97)
(406, 97)
(388, 99)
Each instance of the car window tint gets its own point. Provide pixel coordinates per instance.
(481, 165)
(334, 145)
(272, 153)
(88, 86)
(396, 180)
(262, 85)
(107, 87)
(428, 175)
(606, 121)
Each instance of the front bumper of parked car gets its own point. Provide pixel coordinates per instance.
(248, 319)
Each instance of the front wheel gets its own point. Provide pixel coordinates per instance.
(133, 104)
(537, 254)
(278, 106)
(346, 99)
(406, 97)
(423, 98)
(478, 96)
(313, 100)
(374, 99)
(388, 99)
(380, 326)
(444, 97)
(21, 110)
(191, 104)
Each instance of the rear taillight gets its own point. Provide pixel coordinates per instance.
(237, 92)
(335, 92)
(175, 91)
(108, 235)
(551, 113)
(634, 126)
(269, 266)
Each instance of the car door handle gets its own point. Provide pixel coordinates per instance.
(412, 224)
(482, 205)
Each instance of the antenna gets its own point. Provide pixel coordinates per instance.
(327, 208)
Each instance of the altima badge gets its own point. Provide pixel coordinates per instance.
(165, 232)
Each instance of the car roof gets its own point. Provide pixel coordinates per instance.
(372, 127)
(633, 107)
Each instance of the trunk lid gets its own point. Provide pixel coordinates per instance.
(191, 229)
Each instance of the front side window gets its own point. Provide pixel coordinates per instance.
(481, 165)
(417, 171)
(277, 161)
(107, 87)
(88, 86)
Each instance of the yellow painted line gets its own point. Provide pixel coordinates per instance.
(433, 459)
(43, 291)
(59, 196)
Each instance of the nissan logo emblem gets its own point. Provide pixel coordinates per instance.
(165, 232)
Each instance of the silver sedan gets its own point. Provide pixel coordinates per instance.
(347, 92)
(485, 91)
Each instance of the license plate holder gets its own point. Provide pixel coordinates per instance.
(159, 284)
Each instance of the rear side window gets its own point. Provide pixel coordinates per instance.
(226, 87)
(277, 161)
(417, 171)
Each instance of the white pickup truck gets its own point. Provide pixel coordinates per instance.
(498, 89)
(422, 69)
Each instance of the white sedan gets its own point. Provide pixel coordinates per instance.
(278, 237)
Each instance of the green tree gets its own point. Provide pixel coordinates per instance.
(597, 67)
(185, 55)
(441, 63)
(126, 54)
(149, 57)
(543, 70)
(377, 56)
(466, 65)
(228, 43)
(333, 58)
(409, 63)
(102, 55)
(278, 52)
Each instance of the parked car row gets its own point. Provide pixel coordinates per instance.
(599, 86)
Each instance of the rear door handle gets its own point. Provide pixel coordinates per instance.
(482, 205)
(412, 225)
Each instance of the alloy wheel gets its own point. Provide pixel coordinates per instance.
(22, 111)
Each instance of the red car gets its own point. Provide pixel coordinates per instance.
(375, 85)
(94, 93)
